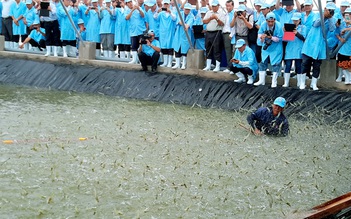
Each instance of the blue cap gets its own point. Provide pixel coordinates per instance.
(166, 2)
(258, 2)
(36, 21)
(296, 16)
(270, 16)
(348, 10)
(80, 21)
(280, 101)
(150, 3)
(265, 5)
(345, 3)
(92, 1)
(239, 43)
(188, 6)
(215, 3)
(29, 2)
(241, 8)
(308, 2)
(330, 6)
(126, 1)
(107, 1)
(203, 10)
(151, 32)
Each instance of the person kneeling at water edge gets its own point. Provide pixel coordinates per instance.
(270, 120)
(149, 51)
(244, 62)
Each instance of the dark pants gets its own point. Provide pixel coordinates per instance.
(246, 71)
(69, 43)
(307, 62)
(16, 38)
(52, 32)
(6, 28)
(146, 60)
(40, 45)
(135, 42)
(213, 44)
(288, 64)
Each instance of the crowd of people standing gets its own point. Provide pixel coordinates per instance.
(271, 35)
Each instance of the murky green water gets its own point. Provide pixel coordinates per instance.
(152, 160)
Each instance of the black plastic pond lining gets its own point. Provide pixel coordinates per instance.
(172, 88)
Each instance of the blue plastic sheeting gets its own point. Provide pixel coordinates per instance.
(169, 88)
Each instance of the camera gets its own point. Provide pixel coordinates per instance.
(331, 12)
(118, 5)
(239, 13)
(145, 37)
(267, 42)
(164, 9)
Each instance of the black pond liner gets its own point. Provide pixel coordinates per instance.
(325, 105)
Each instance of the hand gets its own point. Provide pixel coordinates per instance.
(148, 42)
(295, 31)
(21, 46)
(257, 132)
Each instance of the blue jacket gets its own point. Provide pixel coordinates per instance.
(264, 120)
(180, 40)
(122, 35)
(167, 28)
(293, 48)
(247, 59)
(16, 10)
(67, 31)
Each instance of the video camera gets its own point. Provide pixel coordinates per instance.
(267, 42)
(145, 37)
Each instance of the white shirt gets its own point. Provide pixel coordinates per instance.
(6, 5)
(213, 24)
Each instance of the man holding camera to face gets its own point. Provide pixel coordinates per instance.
(149, 51)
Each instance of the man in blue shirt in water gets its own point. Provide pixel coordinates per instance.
(270, 120)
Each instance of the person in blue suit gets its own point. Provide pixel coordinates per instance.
(181, 44)
(270, 120)
(293, 50)
(93, 26)
(244, 63)
(149, 52)
(167, 19)
(122, 35)
(36, 37)
(270, 34)
(135, 14)
(200, 42)
(68, 34)
(29, 17)
(17, 10)
(314, 48)
(107, 29)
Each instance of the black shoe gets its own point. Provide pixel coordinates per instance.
(144, 68)
(153, 70)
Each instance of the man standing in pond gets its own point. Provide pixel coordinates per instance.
(270, 120)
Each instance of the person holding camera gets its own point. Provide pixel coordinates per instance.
(242, 22)
(244, 62)
(314, 48)
(270, 34)
(36, 38)
(149, 51)
(93, 26)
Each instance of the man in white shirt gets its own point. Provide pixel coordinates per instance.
(226, 33)
(6, 29)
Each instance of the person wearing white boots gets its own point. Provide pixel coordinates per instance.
(93, 26)
(244, 63)
(121, 35)
(215, 20)
(314, 48)
(36, 37)
(135, 15)
(107, 29)
(6, 28)
(293, 50)
(149, 52)
(52, 32)
(270, 34)
(68, 35)
(181, 44)
(167, 21)
(344, 53)
(28, 18)
(17, 10)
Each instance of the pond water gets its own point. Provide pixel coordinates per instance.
(73, 155)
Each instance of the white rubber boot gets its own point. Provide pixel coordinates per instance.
(274, 79)
(26, 46)
(134, 57)
(241, 78)
(165, 61)
(55, 50)
(170, 59)
(7, 44)
(97, 53)
(314, 83)
(286, 79)
(261, 78)
(302, 81)
(208, 65)
(127, 55)
(11, 45)
(340, 74)
(122, 55)
(250, 79)
(298, 80)
(48, 51)
(105, 54)
(15, 45)
(218, 66)
(177, 64)
(64, 49)
(111, 54)
(184, 62)
(347, 76)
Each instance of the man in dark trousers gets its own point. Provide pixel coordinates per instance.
(149, 51)
(270, 120)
